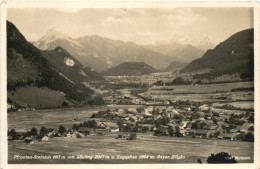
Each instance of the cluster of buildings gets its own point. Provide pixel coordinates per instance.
(208, 122)
(200, 122)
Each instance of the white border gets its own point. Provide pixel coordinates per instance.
(128, 4)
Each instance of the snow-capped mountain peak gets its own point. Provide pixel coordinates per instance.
(53, 38)
(202, 42)
(49, 37)
(53, 34)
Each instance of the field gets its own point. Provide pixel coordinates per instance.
(210, 88)
(53, 117)
(218, 94)
(146, 144)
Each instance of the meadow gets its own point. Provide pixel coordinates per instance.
(191, 149)
(53, 118)
(206, 88)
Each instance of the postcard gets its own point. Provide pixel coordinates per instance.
(129, 84)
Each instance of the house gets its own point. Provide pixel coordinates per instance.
(183, 125)
(183, 132)
(79, 135)
(156, 117)
(120, 111)
(219, 130)
(106, 124)
(131, 115)
(132, 110)
(45, 138)
(29, 109)
(69, 134)
(111, 124)
(229, 136)
(188, 109)
(28, 139)
(210, 127)
(21, 131)
(75, 134)
(203, 107)
(52, 133)
(167, 102)
(244, 128)
(101, 130)
(203, 133)
(138, 101)
(147, 113)
(114, 129)
(135, 118)
(9, 106)
(72, 135)
(101, 124)
(82, 129)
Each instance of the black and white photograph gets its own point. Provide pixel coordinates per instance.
(130, 85)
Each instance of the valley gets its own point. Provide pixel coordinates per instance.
(94, 96)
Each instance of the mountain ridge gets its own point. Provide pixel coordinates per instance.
(235, 54)
(30, 71)
(129, 69)
(87, 51)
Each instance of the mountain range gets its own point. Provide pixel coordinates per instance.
(102, 53)
(44, 78)
(180, 54)
(56, 73)
(184, 53)
(234, 55)
(202, 42)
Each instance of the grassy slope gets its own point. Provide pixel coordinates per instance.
(56, 58)
(37, 97)
(236, 54)
(26, 61)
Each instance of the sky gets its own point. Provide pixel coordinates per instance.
(139, 25)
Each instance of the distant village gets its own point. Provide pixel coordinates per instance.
(178, 119)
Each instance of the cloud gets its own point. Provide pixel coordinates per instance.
(138, 25)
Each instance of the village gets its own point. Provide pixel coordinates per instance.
(178, 119)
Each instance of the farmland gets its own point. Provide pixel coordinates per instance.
(228, 100)
(146, 144)
(53, 117)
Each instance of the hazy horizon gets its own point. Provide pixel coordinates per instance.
(141, 26)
